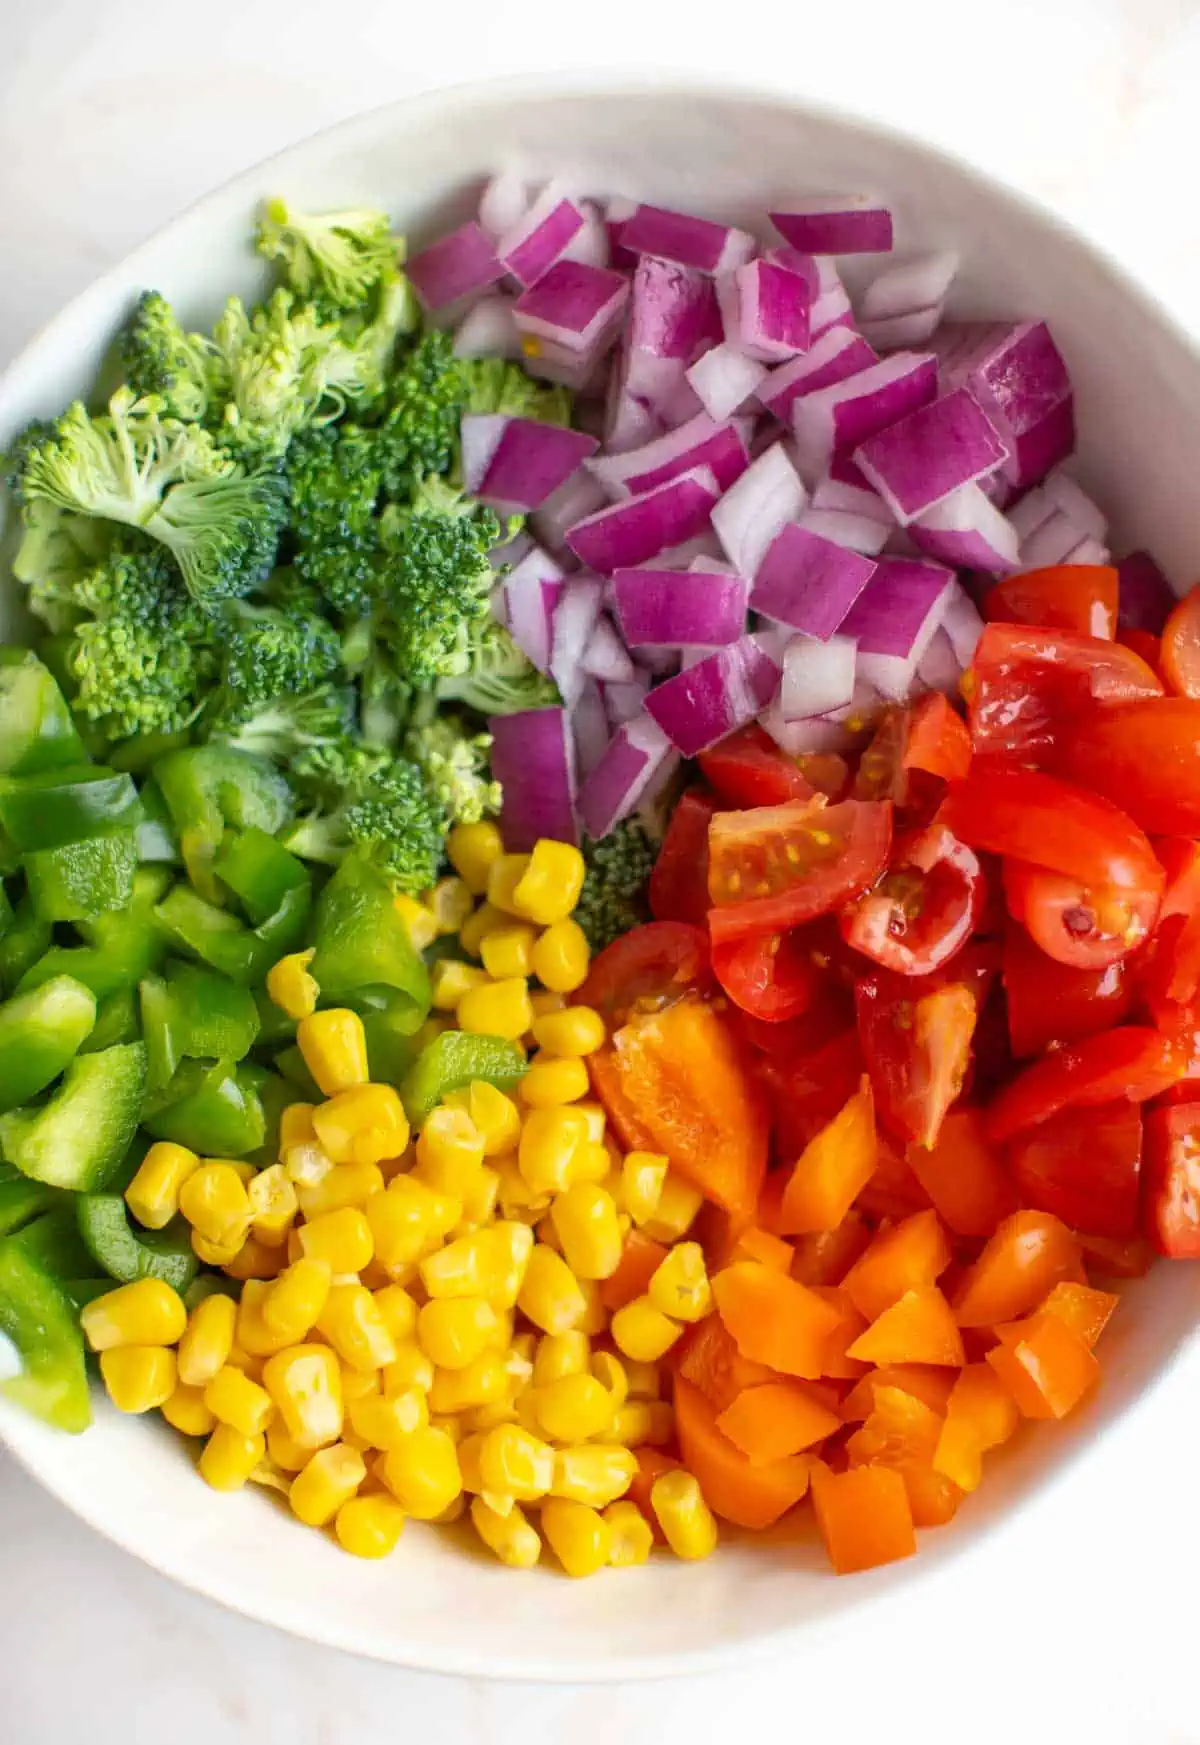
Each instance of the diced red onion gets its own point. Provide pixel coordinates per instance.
(968, 531)
(808, 583)
(573, 305)
(752, 512)
(456, 266)
(1073, 502)
(832, 306)
(575, 618)
(533, 759)
(702, 547)
(1017, 374)
(691, 242)
(480, 437)
(1033, 511)
(590, 244)
(714, 698)
(855, 531)
(617, 211)
(1145, 596)
(606, 656)
(488, 329)
(724, 379)
(894, 332)
(662, 608)
(575, 497)
(509, 552)
(836, 224)
(1054, 520)
(1089, 550)
(672, 318)
(589, 724)
(635, 754)
(894, 620)
(838, 354)
(817, 676)
(701, 442)
(918, 461)
(962, 624)
(623, 702)
(629, 420)
(503, 203)
(531, 594)
(766, 308)
(910, 285)
(633, 532)
(526, 461)
(581, 371)
(841, 418)
(938, 667)
(540, 236)
(839, 731)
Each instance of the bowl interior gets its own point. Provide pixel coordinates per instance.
(437, 1603)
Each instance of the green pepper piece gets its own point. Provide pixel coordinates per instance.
(209, 1107)
(80, 1136)
(260, 872)
(83, 1291)
(40, 1032)
(156, 839)
(123, 945)
(22, 1200)
(363, 954)
(38, 1315)
(37, 731)
(24, 944)
(160, 1032)
(275, 1028)
(218, 1018)
(217, 938)
(54, 1239)
(116, 1021)
(274, 1095)
(208, 787)
(390, 1051)
(451, 1061)
(67, 805)
(208, 1284)
(292, 1065)
(80, 879)
(6, 911)
(126, 1254)
(144, 750)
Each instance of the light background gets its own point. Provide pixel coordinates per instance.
(1079, 1621)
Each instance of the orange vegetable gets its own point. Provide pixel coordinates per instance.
(850, 1324)
(899, 1429)
(932, 1497)
(980, 1414)
(1082, 1308)
(770, 1202)
(651, 1464)
(709, 1359)
(1027, 1256)
(969, 1186)
(776, 1419)
(1129, 1257)
(825, 1257)
(918, 1329)
(773, 1319)
(863, 1515)
(734, 1486)
(908, 1257)
(761, 1245)
(675, 1082)
(922, 1381)
(640, 1259)
(893, 1191)
(833, 1169)
(1048, 1370)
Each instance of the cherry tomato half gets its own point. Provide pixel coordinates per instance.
(1079, 597)
(1132, 1061)
(771, 976)
(1180, 649)
(1172, 1169)
(748, 769)
(778, 866)
(1084, 1166)
(1145, 755)
(925, 907)
(1084, 926)
(679, 882)
(647, 969)
(1027, 685)
(1049, 1002)
(917, 1049)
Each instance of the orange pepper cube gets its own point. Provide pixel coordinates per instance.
(970, 1188)
(709, 1359)
(918, 1329)
(774, 1320)
(900, 1429)
(1047, 1371)
(1082, 1308)
(922, 1380)
(749, 1494)
(832, 1170)
(775, 1419)
(908, 1257)
(864, 1516)
(850, 1324)
(1028, 1255)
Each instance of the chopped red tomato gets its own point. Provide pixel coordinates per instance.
(679, 882)
(779, 866)
(1145, 755)
(1131, 1061)
(925, 907)
(1172, 1201)
(1027, 685)
(645, 969)
(913, 752)
(771, 976)
(938, 741)
(1145, 645)
(1179, 858)
(1181, 647)
(806, 1091)
(1052, 1003)
(1079, 597)
(1083, 1165)
(748, 769)
(1168, 970)
(1083, 926)
(917, 1047)
(831, 1013)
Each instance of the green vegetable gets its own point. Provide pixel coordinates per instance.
(260, 872)
(122, 945)
(156, 838)
(387, 818)
(24, 943)
(496, 385)
(213, 1109)
(40, 1034)
(184, 370)
(454, 763)
(36, 729)
(80, 879)
(38, 1315)
(335, 474)
(78, 1138)
(220, 940)
(22, 1200)
(438, 579)
(125, 1254)
(426, 395)
(193, 1012)
(66, 805)
(116, 1021)
(209, 787)
(613, 899)
(451, 1061)
(336, 256)
(294, 1069)
(54, 1240)
(495, 677)
(362, 952)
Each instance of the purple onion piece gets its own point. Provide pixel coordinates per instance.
(636, 753)
(456, 266)
(715, 697)
(917, 462)
(533, 759)
(665, 608)
(1146, 596)
(827, 224)
(690, 242)
(809, 583)
(638, 530)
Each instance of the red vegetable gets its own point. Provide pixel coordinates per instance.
(923, 910)
(1050, 1003)
(1079, 597)
(748, 769)
(1172, 1210)
(771, 976)
(679, 882)
(1028, 688)
(1084, 1165)
(917, 1046)
(648, 967)
(779, 866)
(1130, 1061)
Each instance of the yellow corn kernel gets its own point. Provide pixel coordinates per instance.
(454, 1511)
(292, 987)
(585, 1217)
(398, 1310)
(449, 980)
(255, 1260)
(410, 1368)
(550, 1140)
(476, 927)
(681, 1511)
(560, 1354)
(273, 1205)
(295, 1126)
(147, 1312)
(572, 1033)
(561, 957)
(353, 1325)
(449, 1152)
(186, 1411)
(215, 1253)
(460, 1269)
(481, 1383)
(611, 1373)
(369, 1526)
(630, 1535)
(516, 1200)
(472, 850)
(643, 1421)
(282, 1447)
(306, 1164)
(595, 1121)
(549, 1082)
(578, 1535)
(343, 1238)
(643, 1332)
(305, 1382)
(504, 875)
(408, 1221)
(510, 1537)
(253, 1333)
(243, 1360)
(234, 1399)
(297, 1298)
(643, 1176)
(450, 902)
(362, 1125)
(419, 920)
(496, 1009)
(329, 1479)
(334, 1046)
(215, 1203)
(551, 884)
(514, 1464)
(594, 1472)
(550, 1294)
(484, 1418)
(153, 1194)
(680, 1286)
(592, 1163)
(595, 1315)
(207, 1340)
(496, 1117)
(675, 1213)
(479, 1202)
(139, 1377)
(422, 1472)
(645, 1379)
(242, 1167)
(346, 1184)
(574, 1408)
(454, 1331)
(507, 1246)
(228, 1458)
(508, 951)
(383, 1420)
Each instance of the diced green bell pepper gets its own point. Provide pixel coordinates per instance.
(127, 1254)
(156, 839)
(24, 944)
(37, 731)
(208, 787)
(209, 1284)
(54, 1239)
(275, 1028)
(211, 1108)
(363, 954)
(123, 945)
(38, 1315)
(274, 1094)
(116, 1021)
(390, 1050)
(66, 805)
(291, 1064)
(22, 1200)
(217, 938)
(80, 879)
(83, 1291)
(451, 1061)
(80, 1136)
(144, 750)
(191, 1011)
(260, 872)
(40, 1033)
(6, 911)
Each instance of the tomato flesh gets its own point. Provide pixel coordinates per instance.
(645, 969)
(1084, 1166)
(748, 769)
(679, 882)
(1027, 685)
(924, 909)
(1050, 1003)
(779, 866)
(1083, 926)
(1172, 1198)
(772, 976)
(1078, 597)
(1180, 648)
(1132, 1061)
(1145, 755)
(917, 1047)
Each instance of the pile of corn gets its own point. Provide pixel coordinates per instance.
(421, 1327)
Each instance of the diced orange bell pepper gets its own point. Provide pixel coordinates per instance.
(761, 1245)
(734, 1486)
(833, 1169)
(923, 1381)
(825, 1257)
(640, 1259)
(932, 1497)
(908, 1257)
(900, 1428)
(725, 1239)
(770, 1202)
(969, 1186)
(1047, 1371)
(773, 1319)
(980, 1414)
(837, 1365)
(709, 1359)
(1027, 1256)
(651, 1464)
(863, 1515)
(777, 1419)
(893, 1191)
(1117, 1257)
(918, 1329)
(1081, 1307)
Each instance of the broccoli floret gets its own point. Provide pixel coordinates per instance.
(273, 655)
(337, 256)
(55, 552)
(390, 818)
(496, 385)
(334, 474)
(613, 899)
(184, 369)
(454, 762)
(436, 579)
(499, 679)
(287, 728)
(419, 434)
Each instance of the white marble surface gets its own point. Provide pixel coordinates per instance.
(1079, 1620)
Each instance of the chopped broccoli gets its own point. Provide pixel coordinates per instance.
(390, 818)
(419, 434)
(613, 899)
(454, 762)
(273, 654)
(334, 474)
(498, 679)
(287, 728)
(184, 369)
(437, 579)
(56, 551)
(496, 385)
(337, 256)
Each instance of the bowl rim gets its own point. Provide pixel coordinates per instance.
(18, 373)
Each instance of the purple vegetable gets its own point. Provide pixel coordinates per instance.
(896, 332)
(526, 460)
(701, 442)
(623, 702)
(533, 759)
(836, 355)
(457, 266)
(938, 668)
(894, 619)
(1053, 520)
(968, 531)
(638, 530)
(690, 242)
(532, 244)
(575, 617)
(574, 305)
(531, 595)
(766, 308)
(809, 583)
(503, 202)
(918, 461)
(721, 693)
(1145, 597)
(962, 625)
(636, 754)
(832, 306)
(489, 329)
(589, 725)
(724, 379)
(661, 608)
(574, 498)
(817, 676)
(841, 418)
(847, 527)
(764, 500)
(836, 224)
(1017, 374)
(606, 656)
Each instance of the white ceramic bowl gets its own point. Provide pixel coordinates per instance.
(437, 1604)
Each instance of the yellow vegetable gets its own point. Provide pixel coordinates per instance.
(329, 1479)
(342, 1238)
(573, 1032)
(422, 1473)
(594, 1472)
(291, 987)
(497, 1009)
(549, 887)
(643, 1332)
(153, 1194)
(585, 1217)
(207, 1342)
(305, 1382)
(577, 1534)
(138, 1377)
(362, 1125)
(561, 956)
(229, 1458)
(334, 1046)
(369, 1526)
(147, 1312)
(685, 1518)
(472, 850)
